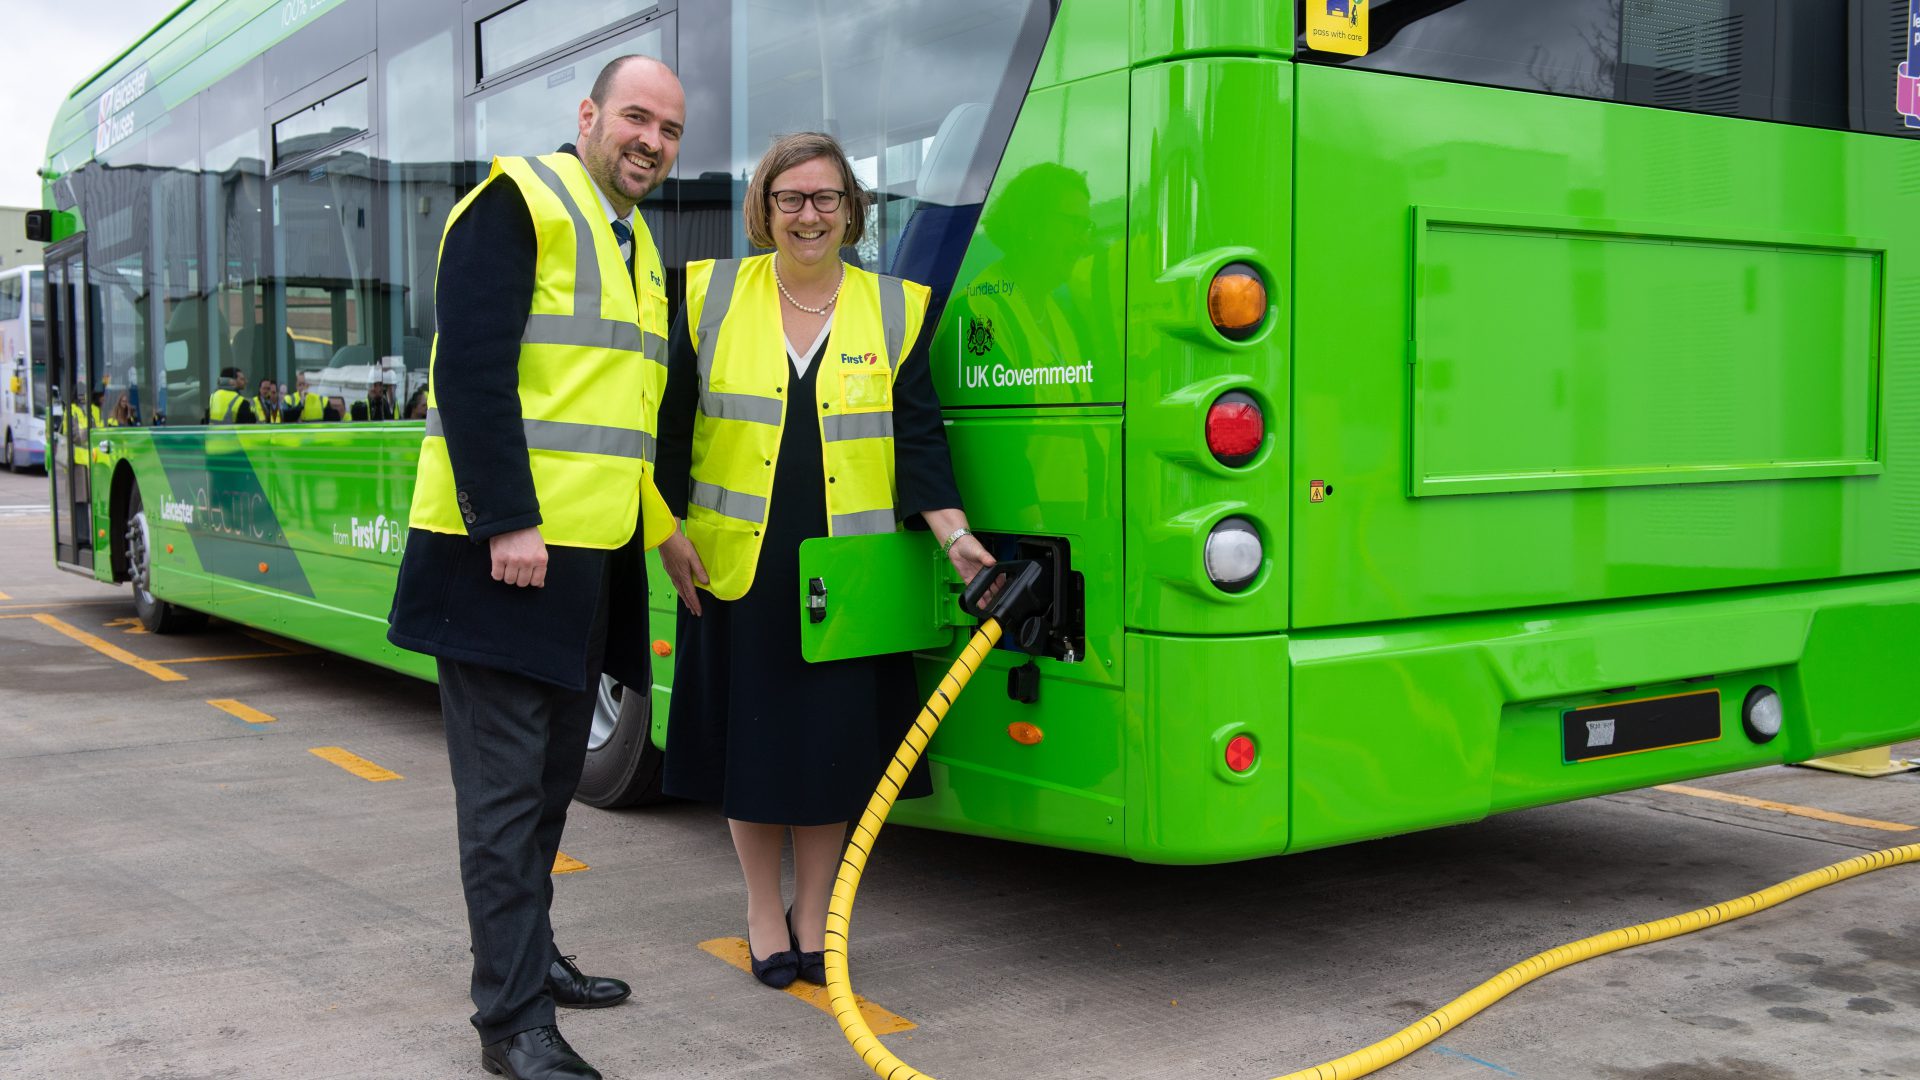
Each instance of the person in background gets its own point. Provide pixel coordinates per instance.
(846, 438)
(417, 405)
(302, 404)
(229, 403)
(336, 409)
(379, 401)
(266, 404)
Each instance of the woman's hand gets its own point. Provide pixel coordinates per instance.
(969, 557)
(683, 568)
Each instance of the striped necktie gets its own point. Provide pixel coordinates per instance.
(623, 233)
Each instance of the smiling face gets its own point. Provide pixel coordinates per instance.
(629, 140)
(808, 236)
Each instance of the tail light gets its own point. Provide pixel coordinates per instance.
(1237, 301)
(1234, 554)
(1235, 428)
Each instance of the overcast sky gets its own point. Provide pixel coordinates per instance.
(50, 46)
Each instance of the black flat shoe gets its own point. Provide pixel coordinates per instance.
(536, 1054)
(778, 970)
(813, 965)
(573, 990)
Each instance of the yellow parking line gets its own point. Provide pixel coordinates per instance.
(4, 596)
(564, 863)
(110, 650)
(355, 764)
(67, 603)
(733, 950)
(1787, 808)
(238, 656)
(245, 712)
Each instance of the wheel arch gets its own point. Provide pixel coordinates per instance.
(119, 513)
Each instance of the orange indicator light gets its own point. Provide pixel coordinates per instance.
(1237, 301)
(661, 648)
(263, 568)
(169, 549)
(1025, 734)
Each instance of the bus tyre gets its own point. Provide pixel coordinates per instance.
(158, 616)
(623, 766)
(12, 465)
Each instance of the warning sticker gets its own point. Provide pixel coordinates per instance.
(1340, 26)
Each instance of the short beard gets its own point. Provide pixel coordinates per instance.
(596, 136)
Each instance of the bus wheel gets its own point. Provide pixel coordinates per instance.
(623, 765)
(158, 616)
(12, 465)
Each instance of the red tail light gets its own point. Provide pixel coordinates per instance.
(1235, 428)
(1241, 753)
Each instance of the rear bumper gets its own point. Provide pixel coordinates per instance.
(1367, 732)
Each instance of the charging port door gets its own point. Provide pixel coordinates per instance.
(869, 595)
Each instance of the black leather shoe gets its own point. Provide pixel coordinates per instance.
(780, 969)
(813, 965)
(572, 990)
(536, 1054)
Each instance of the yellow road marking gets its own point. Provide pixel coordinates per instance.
(4, 596)
(109, 649)
(237, 656)
(131, 624)
(1787, 808)
(355, 764)
(564, 863)
(245, 712)
(67, 603)
(291, 648)
(734, 951)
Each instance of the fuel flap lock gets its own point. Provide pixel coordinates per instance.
(1023, 683)
(816, 600)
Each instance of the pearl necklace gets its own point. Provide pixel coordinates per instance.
(823, 308)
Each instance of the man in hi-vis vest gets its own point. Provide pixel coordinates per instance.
(523, 573)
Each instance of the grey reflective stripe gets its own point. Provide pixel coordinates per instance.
(865, 523)
(586, 333)
(655, 347)
(733, 504)
(586, 266)
(893, 316)
(873, 425)
(754, 410)
(572, 438)
(719, 298)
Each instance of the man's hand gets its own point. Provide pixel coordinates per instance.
(519, 558)
(683, 568)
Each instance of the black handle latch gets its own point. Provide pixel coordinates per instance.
(816, 600)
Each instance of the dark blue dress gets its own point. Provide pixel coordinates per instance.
(753, 725)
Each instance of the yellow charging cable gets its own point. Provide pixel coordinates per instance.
(846, 1007)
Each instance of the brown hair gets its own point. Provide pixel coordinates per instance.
(786, 152)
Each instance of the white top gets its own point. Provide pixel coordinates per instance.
(802, 358)
(626, 249)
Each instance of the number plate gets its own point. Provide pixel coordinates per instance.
(1613, 728)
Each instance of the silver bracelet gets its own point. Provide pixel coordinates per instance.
(952, 539)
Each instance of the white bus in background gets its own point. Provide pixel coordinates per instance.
(23, 367)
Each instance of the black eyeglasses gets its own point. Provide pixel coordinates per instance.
(826, 200)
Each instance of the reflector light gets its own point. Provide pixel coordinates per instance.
(1235, 428)
(661, 648)
(1237, 301)
(1762, 714)
(1241, 753)
(1024, 733)
(1233, 554)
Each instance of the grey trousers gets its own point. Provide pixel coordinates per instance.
(516, 746)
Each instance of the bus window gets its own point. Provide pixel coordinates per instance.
(324, 278)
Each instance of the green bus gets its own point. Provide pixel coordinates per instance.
(1426, 408)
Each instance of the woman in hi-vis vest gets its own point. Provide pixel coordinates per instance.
(798, 404)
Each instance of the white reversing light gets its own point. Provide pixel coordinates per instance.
(1234, 554)
(1762, 714)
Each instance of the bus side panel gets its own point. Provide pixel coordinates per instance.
(1552, 350)
(1056, 475)
(1211, 186)
(295, 529)
(169, 501)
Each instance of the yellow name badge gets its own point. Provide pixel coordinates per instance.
(1338, 26)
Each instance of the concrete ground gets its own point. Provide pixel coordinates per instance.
(185, 895)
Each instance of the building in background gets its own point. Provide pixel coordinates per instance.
(15, 250)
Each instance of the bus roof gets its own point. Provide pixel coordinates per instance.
(129, 50)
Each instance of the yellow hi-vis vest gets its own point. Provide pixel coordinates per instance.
(307, 406)
(224, 407)
(80, 431)
(733, 317)
(592, 367)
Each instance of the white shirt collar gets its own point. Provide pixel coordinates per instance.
(607, 207)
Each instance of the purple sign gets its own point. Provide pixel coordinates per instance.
(1907, 96)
